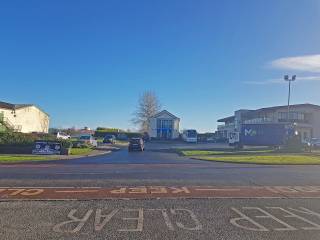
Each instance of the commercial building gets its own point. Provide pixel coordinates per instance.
(24, 118)
(305, 117)
(164, 125)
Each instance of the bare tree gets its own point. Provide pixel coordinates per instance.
(148, 105)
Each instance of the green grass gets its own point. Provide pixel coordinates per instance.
(206, 153)
(80, 151)
(266, 156)
(22, 158)
(265, 159)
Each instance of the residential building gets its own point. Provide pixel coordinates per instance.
(24, 118)
(81, 132)
(306, 118)
(164, 125)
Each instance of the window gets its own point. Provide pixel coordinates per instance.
(298, 116)
(166, 124)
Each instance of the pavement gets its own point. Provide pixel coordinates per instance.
(157, 195)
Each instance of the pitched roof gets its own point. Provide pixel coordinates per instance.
(165, 111)
(17, 106)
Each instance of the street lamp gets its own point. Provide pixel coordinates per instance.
(286, 78)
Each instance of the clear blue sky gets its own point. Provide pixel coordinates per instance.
(87, 62)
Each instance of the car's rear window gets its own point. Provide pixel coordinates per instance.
(135, 140)
(85, 137)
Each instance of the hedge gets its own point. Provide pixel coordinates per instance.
(102, 133)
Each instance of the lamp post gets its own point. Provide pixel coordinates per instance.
(289, 80)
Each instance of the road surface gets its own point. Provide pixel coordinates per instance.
(158, 195)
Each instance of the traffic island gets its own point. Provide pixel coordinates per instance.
(270, 157)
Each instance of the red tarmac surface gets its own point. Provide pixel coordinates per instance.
(151, 192)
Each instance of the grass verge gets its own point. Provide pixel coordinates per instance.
(80, 151)
(265, 159)
(23, 158)
(256, 157)
(207, 152)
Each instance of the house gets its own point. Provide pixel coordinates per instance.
(306, 118)
(25, 118)
(81, 132)
(164, 125)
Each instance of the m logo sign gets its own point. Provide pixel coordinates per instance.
(250, 132)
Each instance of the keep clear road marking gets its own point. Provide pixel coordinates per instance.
(252, 219)
(142, 192)
(135, 220)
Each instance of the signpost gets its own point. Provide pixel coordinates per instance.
(47, 148)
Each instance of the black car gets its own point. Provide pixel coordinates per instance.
(109, 139)
(136, 144)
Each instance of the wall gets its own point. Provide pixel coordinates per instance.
(175, 133)
(31, 119)
(153, 126)
(314, 121)
(274, 115)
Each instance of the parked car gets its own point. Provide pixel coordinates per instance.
(315, 142)
(109, 139)
(61, 135)
(146, 137)
(88, 139)
(211, 139)
(136, 144)
(122, 136)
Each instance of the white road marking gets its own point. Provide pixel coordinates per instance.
(98, 224)
(165, 217)
(270, 216)
(80, 221)
(76, 191)
(234, 221)
(197, 224)
(217, 189)
(139, 220)
(292, 215)
(305, 211)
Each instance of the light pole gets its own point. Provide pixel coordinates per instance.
(286, 78)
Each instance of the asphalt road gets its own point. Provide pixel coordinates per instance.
(185, 219)
(293, 212)
(152, 168)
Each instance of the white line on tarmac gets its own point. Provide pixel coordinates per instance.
(217, 189)
(75, 191)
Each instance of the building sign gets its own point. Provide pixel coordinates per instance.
(46, 148)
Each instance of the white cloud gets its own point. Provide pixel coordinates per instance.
(306, 63)
(281, 80)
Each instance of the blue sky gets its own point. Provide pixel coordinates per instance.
(87, 62)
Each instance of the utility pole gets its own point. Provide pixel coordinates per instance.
(289, 80)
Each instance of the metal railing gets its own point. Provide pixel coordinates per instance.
(8, 124)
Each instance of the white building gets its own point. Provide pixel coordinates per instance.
(24, 118)
(164, 125)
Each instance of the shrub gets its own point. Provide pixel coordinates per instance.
(17, 138)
